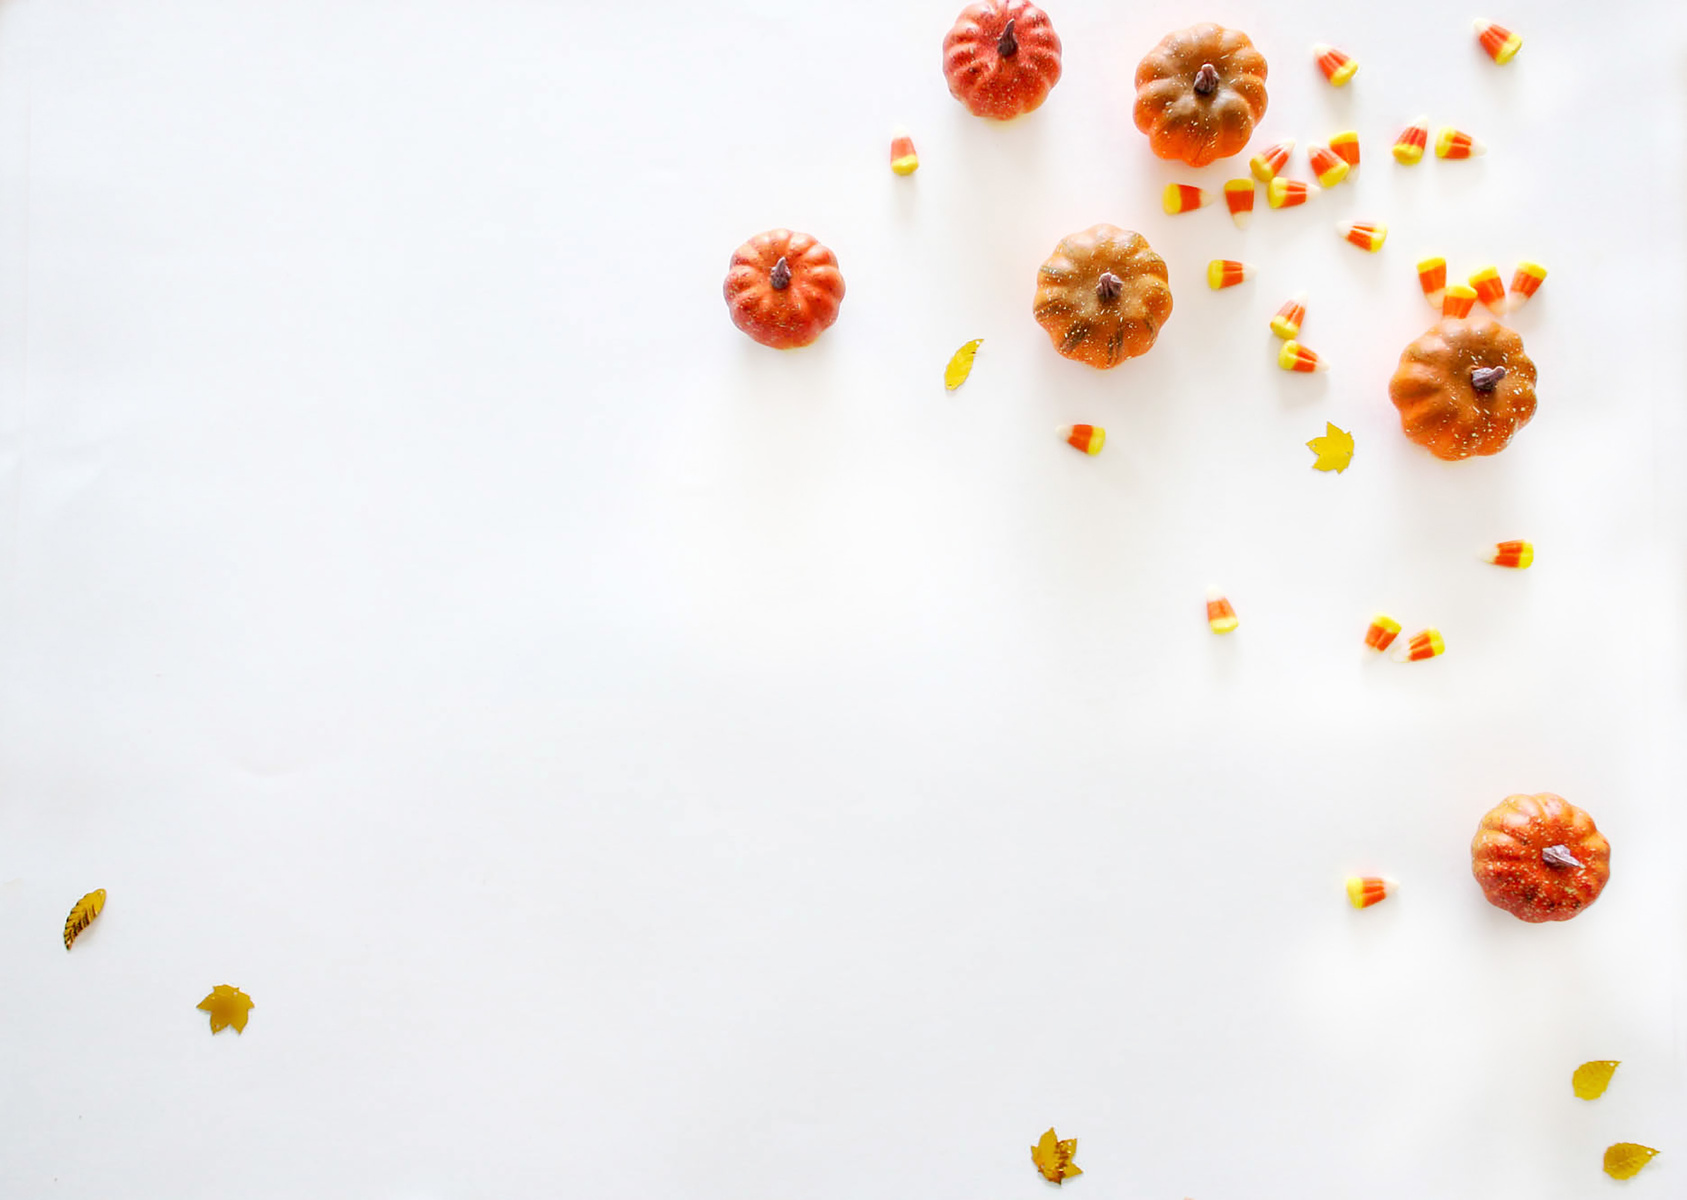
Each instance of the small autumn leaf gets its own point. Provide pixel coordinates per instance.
(82, 915)
(227, 1006)
(1624, 1160)
(1334, 449)
(960, 366)
(1053, 1157)
(1592, 1078)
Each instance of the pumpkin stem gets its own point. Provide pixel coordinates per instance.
(1206, 80)
(1109, 287)
(1560, 856)
(1486, 379)
(780, 276)
(1007, 45)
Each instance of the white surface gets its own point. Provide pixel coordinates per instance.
(622, 761)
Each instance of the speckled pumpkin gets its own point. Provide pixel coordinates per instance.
(1001, 58)
(783, 288)
(1464, 388)
(1540, 858)
(1200, 93)
(1102, 296)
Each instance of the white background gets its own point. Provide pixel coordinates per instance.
(623, 761)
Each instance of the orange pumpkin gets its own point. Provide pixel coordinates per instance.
(783, 288)
(1464, 388)
(1001, 58)
(1540, 858)
(1103, 296)
(1200, 93)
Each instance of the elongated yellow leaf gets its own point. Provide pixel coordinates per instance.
(1592, 1078)
(1624, 1160)
(960, 366)
(82, 915)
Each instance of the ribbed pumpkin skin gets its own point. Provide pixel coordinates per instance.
(1506, 858)
(1441, 411)
(1079, 322)
(1180, 122)
(796, 315)
(986, 82)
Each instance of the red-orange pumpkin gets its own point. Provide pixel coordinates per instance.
(783, 288)
(1200, 93)
(1001, 58)
(1540, 858)
(1464, 388)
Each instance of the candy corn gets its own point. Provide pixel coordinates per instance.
(1513, 554)
(1346, 147)
(1327, 166)
(1489, 289)
(1270, 160)
(1364, 891)
(1409, 146)
(1427, 644)
(903, 160)
(1182, 198)
(1227, 272)
(1454, 143)
(1239, 199)
(1220, 616)
(1382, 632)
(1525, 282)
(1432, 278)
(1296, 357)
(1088, 438)
(1337, 66)
(1367, 235)
(1288, 193)
(1501, 44)
(1458, 301)
(1286, 324)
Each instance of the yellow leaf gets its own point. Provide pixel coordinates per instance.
(82, 915)
(1053, 1157)
(227, 1006)
(1592, 1078)
(1334, 449)
(960, 366)
(1624, 1160)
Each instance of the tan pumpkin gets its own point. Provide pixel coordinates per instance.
(1200, 93)
(1102, 296)
(1464, 388)
(1540, 858)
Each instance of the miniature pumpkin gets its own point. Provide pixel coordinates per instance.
(1102, 296)
(783, 288)
(1001, 58)
(1464, 389)
(1199, 94)
(1540, 858)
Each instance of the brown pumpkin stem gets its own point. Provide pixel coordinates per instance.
(1007, 45)
(1206, 80)
(1559, 856)
(1109, 287)
(1486, 379)
(780, 276)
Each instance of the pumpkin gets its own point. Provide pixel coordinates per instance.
(1464, 388)
(783, 288)
(1102, 296)
(1200, 93)
(1540, 858)
(1001, 58)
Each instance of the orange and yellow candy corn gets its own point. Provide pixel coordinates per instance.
(1239, 199)
(1286, 324)
(1455, 143)
(1525, 282)
(1221, 617)
(1227, 272)
(1513, 554)
(1489, 288)
(1432, 278)
(1088, 438)
(1410, 145)
(1427, 644)
(1366, 235)
(1382, 632)
(1288, 193)
(1295, 357)
(1501, 44)
(1346, 147)
(1182, 198)
(1458, 301)
(903, 160)
(1366, 890)
(1270, 160)
(1338, 67)
(1327, 166)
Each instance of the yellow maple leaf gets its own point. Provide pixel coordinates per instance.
(960, 366)
(82, 915)
(1592, 1078)
(1334, 449)
(1053, 1157)
(227, 1006)
(1624, 1160)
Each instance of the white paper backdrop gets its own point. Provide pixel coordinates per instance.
(622, 761)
